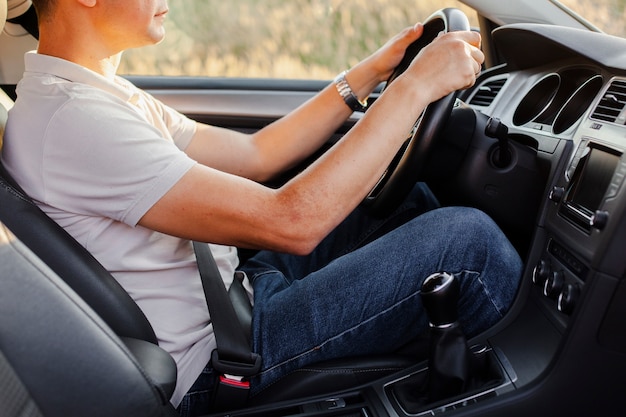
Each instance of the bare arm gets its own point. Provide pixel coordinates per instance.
(211, 205)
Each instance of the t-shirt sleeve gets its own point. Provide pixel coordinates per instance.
(109, 162)
(180, 127)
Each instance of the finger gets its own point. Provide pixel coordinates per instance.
(418, 28)
(413, 33)
(471, 37)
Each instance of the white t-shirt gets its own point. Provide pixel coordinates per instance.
(96, 156)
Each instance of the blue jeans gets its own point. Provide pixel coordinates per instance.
(358, 293)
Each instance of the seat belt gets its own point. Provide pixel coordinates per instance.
(233, 358)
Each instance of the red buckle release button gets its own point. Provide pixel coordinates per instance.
(234, 382)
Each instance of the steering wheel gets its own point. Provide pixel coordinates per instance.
(406, 167)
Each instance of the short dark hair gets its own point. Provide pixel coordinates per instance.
(43, 7)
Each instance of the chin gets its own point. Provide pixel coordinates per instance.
(158, 36)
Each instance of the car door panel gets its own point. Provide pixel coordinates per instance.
(239, 103)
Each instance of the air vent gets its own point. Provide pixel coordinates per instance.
(612, 103)
(487, 92)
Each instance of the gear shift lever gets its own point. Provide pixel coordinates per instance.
(449, 360)
(453, 369)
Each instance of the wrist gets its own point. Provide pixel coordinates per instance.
(413, 93)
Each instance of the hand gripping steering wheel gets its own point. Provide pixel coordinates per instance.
(406, 167)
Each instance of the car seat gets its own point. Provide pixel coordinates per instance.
(62, 354)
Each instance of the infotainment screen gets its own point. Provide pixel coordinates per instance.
(592, 178)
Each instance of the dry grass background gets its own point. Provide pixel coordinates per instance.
(609, 15)
(284, 38)
(288, 38)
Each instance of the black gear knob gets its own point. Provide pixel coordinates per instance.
(440, 294)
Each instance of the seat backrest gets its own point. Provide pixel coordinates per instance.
(72, 262)
(67, 359)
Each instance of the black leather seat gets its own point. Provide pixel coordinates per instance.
(66, 357)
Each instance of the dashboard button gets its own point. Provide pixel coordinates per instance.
(541, 272)
(599, 219)
(554, 284)
(568, 298)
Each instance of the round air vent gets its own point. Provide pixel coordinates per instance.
(537, 99)
(577, 105)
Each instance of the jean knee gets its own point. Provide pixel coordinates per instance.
(476, 225)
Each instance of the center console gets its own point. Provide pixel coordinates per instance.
(580, 221)
(584, 217)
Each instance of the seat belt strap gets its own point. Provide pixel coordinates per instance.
(233, 359)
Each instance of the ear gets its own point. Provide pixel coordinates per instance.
(88, 3)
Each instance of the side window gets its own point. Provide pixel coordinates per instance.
(306, 39)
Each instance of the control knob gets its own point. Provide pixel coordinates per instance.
(554, 284)
(599, 219)
(568, 298)
(557, 193)
(541, 272)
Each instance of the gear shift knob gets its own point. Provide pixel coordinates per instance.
(440, 294)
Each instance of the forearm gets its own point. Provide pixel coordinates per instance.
(284, 143)
(320, 197)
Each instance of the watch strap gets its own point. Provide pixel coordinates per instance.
(344, 90)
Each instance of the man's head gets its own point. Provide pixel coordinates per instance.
(99, 27)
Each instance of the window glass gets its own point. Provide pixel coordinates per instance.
(607, 15)
(307, 39)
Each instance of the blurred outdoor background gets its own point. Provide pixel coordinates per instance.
(298, 38)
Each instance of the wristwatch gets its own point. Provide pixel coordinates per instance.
(344, 90)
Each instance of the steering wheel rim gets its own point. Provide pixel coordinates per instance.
(407, 166)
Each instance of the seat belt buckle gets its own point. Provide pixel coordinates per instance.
(232, 387)
(230, 392)
(236, 368)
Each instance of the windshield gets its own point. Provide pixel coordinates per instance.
(607, 15)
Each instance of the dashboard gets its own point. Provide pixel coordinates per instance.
(567, 88)
(564, 92)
